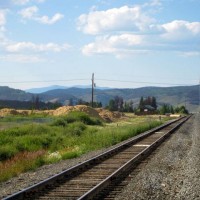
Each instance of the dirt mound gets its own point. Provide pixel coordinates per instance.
(108, 115)
(7, 111)
(98, 112)
(66, 109)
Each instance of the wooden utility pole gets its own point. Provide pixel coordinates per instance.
(92, 89)
(199, 95)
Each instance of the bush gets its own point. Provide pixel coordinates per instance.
(76, 128)
(82, 117)
(7, 152)
(59, 122)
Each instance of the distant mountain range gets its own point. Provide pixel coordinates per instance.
(181, 95)
(55, 87)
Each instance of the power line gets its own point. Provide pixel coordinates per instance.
(47, 81)
(108, 80)
(156, 83)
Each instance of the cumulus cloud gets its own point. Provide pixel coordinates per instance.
(47, 20)
(21, 58)
(20, 2)
(28, 52)
(3, 13)
(180, 30)
(190, 53)
(153, 3)
(29, 46)
(31, 13)
(2, 17)
(129, 43)
(124, 18)
(131, 30)
(24, 2)
(119, 45)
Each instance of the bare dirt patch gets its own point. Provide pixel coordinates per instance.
(100, 113)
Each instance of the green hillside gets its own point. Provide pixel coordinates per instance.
(7, 93)
(182, 95)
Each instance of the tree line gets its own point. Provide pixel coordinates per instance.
(148, 105)
(34, 104)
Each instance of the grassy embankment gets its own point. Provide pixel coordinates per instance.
(31, 145)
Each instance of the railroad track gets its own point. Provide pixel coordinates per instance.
(94, 178)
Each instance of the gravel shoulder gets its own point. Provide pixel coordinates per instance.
(174, 171)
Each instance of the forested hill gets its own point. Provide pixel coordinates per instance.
(182, 95)
(172, 95)
(7, 93)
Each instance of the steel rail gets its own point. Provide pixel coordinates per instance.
(77, 168)
(124, 169)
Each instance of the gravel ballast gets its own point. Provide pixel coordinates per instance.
(172, 173)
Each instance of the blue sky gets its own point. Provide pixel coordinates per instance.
(125, 43)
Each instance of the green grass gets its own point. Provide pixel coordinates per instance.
(65, 138)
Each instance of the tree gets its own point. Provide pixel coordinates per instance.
(150, 101)
(37, 102)
(116, 104)
(111, 105)
(128, 107)
(80, 102)
(141, 104)
(119, 103)
(154, 103)
(172, 110)
(164, 109)
(70, 102)
(96, 104)
(181, 110)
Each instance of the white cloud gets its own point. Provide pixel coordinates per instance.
(190, 54)
(20, 2)
(3, 13)
(28, 52)
(47, 20)
(31, 13)
(117, 19)
(119, 45)
(155, 3)
(24, 2)
(21, 58)
(131, 31)
(40, 1)
(29, 46)
(181, 30)
(130, 43)
(2, 17)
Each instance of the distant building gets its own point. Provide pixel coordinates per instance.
(148, 108)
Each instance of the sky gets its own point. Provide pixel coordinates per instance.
(125, 43)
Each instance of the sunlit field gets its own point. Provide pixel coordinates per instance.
(32, 141)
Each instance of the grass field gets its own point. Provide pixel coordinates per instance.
(29, 142)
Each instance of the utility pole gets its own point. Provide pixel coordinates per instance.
(92, 89)
(199, 95)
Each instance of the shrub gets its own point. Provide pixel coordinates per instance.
(59, 122)
(82, 117)
(76, 128)
(7, 152)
